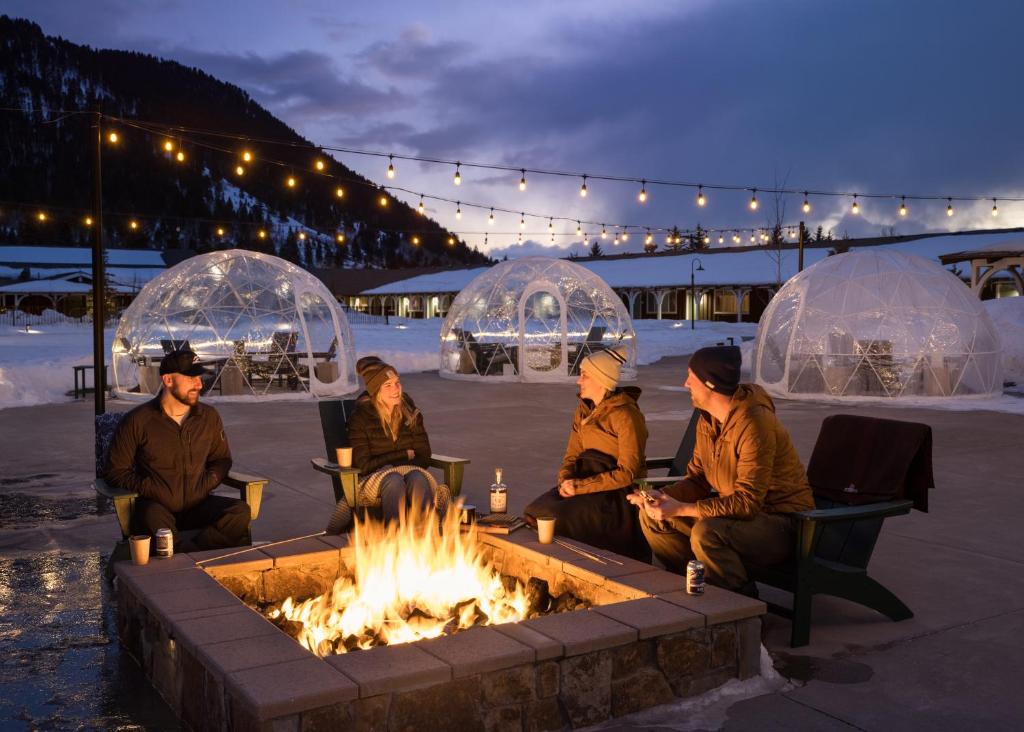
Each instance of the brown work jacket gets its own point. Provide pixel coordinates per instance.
(615, 427)
(749, 460)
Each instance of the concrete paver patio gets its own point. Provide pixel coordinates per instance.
(959, 567)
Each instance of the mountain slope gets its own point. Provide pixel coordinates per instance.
(49, 161)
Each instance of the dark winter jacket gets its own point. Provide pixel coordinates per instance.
(372, 446)
(615, 427)
(175, 465)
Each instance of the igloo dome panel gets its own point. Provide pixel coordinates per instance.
(533, 319)
(877, 323)
(261, 326)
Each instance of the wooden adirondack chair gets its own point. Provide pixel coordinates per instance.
(250, 487)
(834, 542)
(334, 415)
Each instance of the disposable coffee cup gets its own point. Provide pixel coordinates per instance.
(139, 544)
(546, 529)
(467, 513)
(344, 457)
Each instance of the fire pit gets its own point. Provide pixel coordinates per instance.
(222, 665)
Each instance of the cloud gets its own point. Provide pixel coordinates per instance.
(532, 248)
(413, 54)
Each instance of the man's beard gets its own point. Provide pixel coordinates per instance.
(186, 396)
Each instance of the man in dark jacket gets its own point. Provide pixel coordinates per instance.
(172, 451)
(741, 486)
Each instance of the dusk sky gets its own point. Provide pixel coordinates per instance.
(907, 97)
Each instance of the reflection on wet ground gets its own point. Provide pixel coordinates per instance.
(22, 510)
(61, 666)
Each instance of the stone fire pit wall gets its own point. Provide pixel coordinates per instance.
(222, 666)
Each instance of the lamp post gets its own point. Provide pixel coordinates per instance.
(99, 372)
(693, 291)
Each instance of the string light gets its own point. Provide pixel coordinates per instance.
(319, 164)
(751, 237)
(339, 192)
(239, 170)
(168, 146)
(246, 155)
(458, 174)
(753, 200)
(41, 216)
(87, 221)
(340, 238)
(458, 210)
(220, 231)
(583, 188)
(383, 201)
(133, 225)
(642, 196)
(180, 157)
(579, 229)
(995, 208)
(700, 196)
(721, 239)
(949, 207)
(649, 238)
(522, 181)
(391, 166)
(625, 235)
(421, 209)
(416, 241)
(551, 225)
(522, 221)
(903, 205)
(807, 203)
(855, 208)
(707, 239)
(113, 137)
(736, 238)
(290, 181)
(261, 234)
(615, 241)
(451, 241)
(302, 236)
(604, 232)
(490, 219)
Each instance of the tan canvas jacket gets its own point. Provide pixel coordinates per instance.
(616, 427)
(749, 460)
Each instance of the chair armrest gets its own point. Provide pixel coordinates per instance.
(439, 461)
(326, 466)
(250, 490)
(345, 480)
(234, 479)
(657, 463)
(108, 491)
(854, 513)
(453, 468)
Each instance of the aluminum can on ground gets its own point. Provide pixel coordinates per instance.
(164, 544)
(695, 577)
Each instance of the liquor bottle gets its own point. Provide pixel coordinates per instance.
(499, 494)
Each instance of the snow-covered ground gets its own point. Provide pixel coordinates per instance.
(35, 364)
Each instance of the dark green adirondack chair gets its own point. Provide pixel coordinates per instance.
(334, 416)
(835, 541)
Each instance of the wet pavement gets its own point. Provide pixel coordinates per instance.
(61, 667)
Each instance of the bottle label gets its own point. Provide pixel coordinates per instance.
(499, 502)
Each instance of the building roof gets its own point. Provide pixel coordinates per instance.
(746, 266)
(993, 253)
(65, 283)
(25, 256)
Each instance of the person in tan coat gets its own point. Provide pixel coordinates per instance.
(605, 453)
(741, 485)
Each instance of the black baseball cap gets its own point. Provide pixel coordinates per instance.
(184, 361)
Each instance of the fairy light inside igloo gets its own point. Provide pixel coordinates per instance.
(260, 325)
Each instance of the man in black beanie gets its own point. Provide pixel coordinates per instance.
(741, 485)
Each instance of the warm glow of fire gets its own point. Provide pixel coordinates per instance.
(411, 582)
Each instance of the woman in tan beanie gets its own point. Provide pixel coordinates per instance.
(604, 455)
(390, 446)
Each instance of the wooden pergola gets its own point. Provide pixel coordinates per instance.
(985, 263)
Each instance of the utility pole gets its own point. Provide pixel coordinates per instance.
(99, 277)
(803, 238)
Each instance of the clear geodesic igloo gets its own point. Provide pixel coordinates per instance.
(262, 327)
(533, 319)
(877, 323)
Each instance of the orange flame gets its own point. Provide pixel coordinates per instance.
(410, 582)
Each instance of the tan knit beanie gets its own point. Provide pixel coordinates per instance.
(374, 372)
(605, 366)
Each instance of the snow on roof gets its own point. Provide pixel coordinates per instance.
(752, 267)
(58, 286)
(75, 256)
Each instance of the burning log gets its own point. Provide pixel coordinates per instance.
(538, 597)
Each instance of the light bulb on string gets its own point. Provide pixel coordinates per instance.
(416, 241)
(383, 200)
(451, 241)
(239, 170)
(180, 157)
(751, 237)
(340, 238)
(721, 239)
(551, 226)
(113, 137)
(615, 241)
(995, 208)
(339, 192)
(642, 196)
(261, 234)
(421, 209)
(519, 237)
(318, 164)
(42, 217)
(753, 200)
(87, 221)
(246, 156)
(302, 236)
(522, 221)
(522, 180)
(583, 188)
(220, 231)
(552, 238)
(707, 239)
(903, 205)
(133, 225)
(458, 174)
(807, 203)
(604, 232)
(391, 166)
(168, 146)
(579, 229)
(700, 196)
(949, 207)
(736, 238)
(855, 208)
(649, 237)
(458, 210)
(290, 181)
(625, 234)
(490, 219)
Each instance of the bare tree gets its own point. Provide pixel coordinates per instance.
(775, 220)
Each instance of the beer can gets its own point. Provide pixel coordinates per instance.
(695, 577)
(164, 544)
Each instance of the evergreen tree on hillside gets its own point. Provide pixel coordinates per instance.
(695, 239)
(290, 248)
(595, 249)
